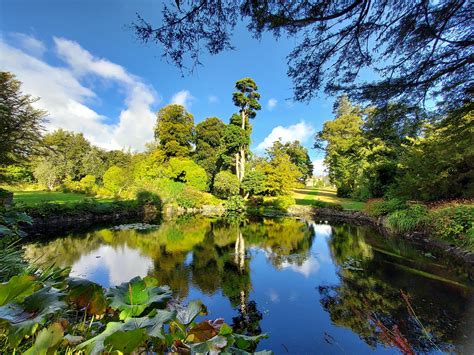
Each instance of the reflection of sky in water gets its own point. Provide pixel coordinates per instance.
(285, 286)
(110, 266)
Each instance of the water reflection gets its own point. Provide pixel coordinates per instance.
(281, 275)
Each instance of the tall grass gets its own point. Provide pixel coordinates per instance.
(414, 218)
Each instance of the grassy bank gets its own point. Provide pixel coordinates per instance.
(33, 198)
(308, 196)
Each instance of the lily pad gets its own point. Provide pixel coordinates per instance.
(133, 297)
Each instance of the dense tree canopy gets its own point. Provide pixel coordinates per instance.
(174, 130)
(209, 135)
(418, 47)
(21, 125)
(298, 155)
(344, 146)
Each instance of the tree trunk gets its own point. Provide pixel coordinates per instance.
(242, 149)
(242, 163)
(237, 165)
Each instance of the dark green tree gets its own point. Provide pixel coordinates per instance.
(67, 151)
(246, 99)
(344, 146)
(21, 125)
(174, 131)
(208, 140)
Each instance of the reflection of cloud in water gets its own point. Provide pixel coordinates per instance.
(273, 295)
(309, 266)
(322, 230)
(115, 265)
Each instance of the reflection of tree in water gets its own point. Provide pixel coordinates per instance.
(369, 292)
(287, 239)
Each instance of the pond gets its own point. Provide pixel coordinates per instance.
(311, 286)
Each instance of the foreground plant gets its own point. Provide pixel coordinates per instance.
(48, 312)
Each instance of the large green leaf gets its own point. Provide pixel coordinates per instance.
(47, 341)
(125, 341)
(153, 325)
(244, 342)
(128, 335)
(22, 319)
(211, 346)
(87, 294)
(96, 344)
(187, 314)
(133, 297)
(17, 288)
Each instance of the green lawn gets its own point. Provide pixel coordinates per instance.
(31, 198)
(306, 196)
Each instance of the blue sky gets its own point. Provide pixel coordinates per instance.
(94, 77)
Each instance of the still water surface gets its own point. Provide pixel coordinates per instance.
(313, 287)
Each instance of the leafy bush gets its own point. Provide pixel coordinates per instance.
(454, 223)
(116, 179)
(148, 198)
(379, 207)
(414, 218)
(226, 185)
(187, 171)
(330, 205)
(283, 202)
(235, 203)
(190, 198)
(88, 206)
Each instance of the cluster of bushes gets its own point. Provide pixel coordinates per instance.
(451, 222)
(88, 206)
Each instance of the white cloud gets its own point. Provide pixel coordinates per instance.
(301, 131)
(271, 104)
(183, 98)
(213, 99)
(67, 98)
(30, 44)
(319, 167)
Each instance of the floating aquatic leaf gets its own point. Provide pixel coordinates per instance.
(87, 294)
(47, 340)
(133, 297)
